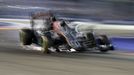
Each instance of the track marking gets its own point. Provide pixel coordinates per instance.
(128, 54)
(4, 28)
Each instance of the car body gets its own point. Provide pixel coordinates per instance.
(47, 31)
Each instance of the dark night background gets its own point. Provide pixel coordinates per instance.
(89, 9)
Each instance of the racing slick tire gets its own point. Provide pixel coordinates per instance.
(45, 45)
(81, 50)
(104, 44)
(103, 50)
(25, 36)
(106, 49)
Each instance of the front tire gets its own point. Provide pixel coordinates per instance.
(26, 36)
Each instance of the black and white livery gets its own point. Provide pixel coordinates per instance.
(49, 32)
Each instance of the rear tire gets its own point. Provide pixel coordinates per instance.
(103, 51)
(112, 48)
(26, 36)
(103, 40)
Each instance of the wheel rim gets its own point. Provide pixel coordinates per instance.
(44, 45)
(21, 34)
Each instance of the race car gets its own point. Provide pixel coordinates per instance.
(47, 31)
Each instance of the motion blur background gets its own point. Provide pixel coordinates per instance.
(91, 9)
(107, 11)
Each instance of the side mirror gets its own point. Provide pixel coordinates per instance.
(63, 23)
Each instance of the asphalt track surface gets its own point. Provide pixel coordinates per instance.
(14, 60)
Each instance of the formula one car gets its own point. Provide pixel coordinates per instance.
(47, 31)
